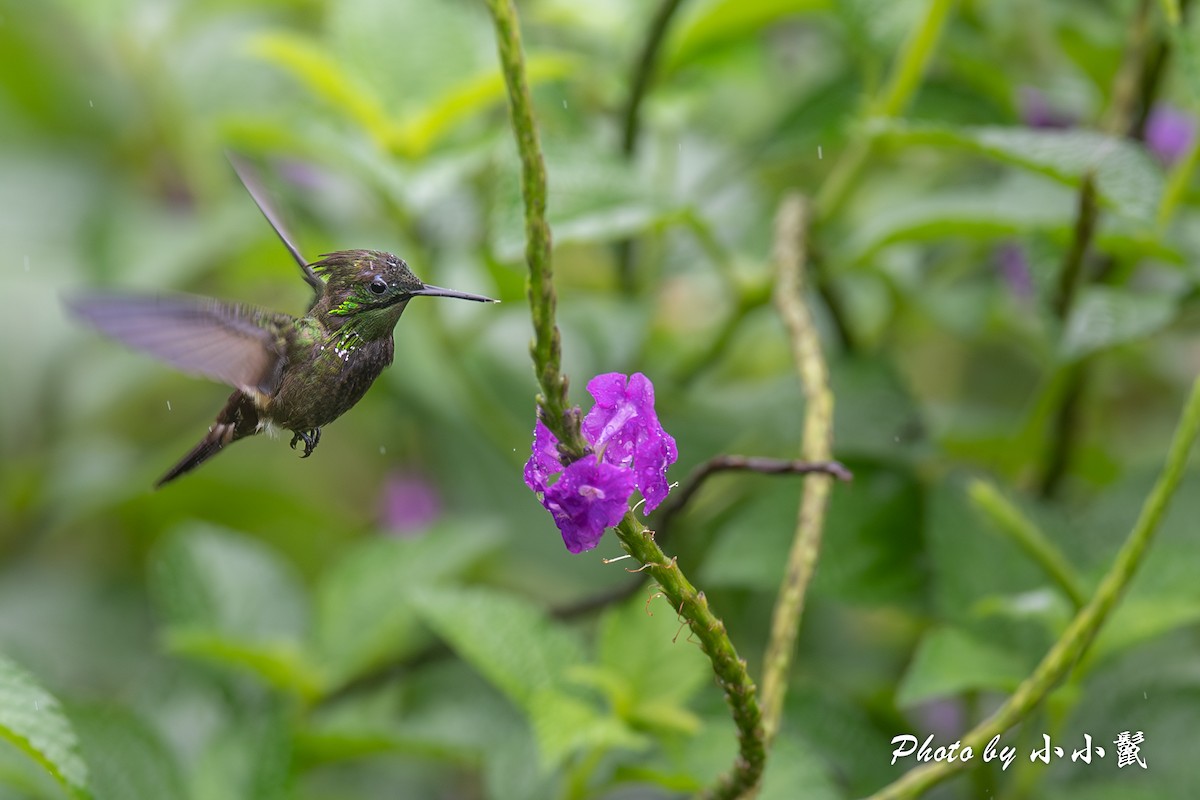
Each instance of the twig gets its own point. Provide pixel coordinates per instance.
(1082, 631)
(767, 466)
(664, 517)
(791, 230)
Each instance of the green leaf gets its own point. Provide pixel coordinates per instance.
(564, 725)
(282, 664)
(364, 616)
(210, 578)
(509, 641)
(795, 763)
(707, 26)
(322, 74)
(1139, 619)
(595, 196)
(1105, 316)
(32, 719)
(250, 759)
(795, 768)
(443, 711)
(507, 773)
(230, 600)
(1127, 178)
(126, 759)
(949, 661)
(1010, 207)
(871, 542)
(423, 129)
(656, 667)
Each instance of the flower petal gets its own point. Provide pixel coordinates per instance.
(543, 461)
(590, 496)
(624, 427)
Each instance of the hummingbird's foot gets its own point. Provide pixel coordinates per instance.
(310, 438)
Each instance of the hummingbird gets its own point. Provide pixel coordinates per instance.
(291, 373)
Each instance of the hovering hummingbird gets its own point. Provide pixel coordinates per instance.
(293, 373)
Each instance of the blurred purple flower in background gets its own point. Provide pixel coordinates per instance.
(1037, 112)
(410, 503)
(1169, 133)
(1013, 266)
(632, 451)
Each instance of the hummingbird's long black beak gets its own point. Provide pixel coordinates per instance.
(437, 291)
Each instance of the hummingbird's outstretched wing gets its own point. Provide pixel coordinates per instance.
(242, 346)
(249, 177)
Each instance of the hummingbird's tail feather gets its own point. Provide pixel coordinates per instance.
(237, 420)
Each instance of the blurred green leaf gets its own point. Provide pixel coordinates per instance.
(510, 641)
(228, 599)
(595, 196)
(1104, 317)
(423, 129)
(250, 759)
(442, 711)
(32, 719)
(564, 725)
(871, 541)
(126, 759)
(282, 664)
(364, 614)
(657, 669)
(949, 661)
(321, 73)
(1126, 176)
(708, 25)
(1139, 619)
(211, 579)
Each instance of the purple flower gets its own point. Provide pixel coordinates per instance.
(1037, 112)
(410, 503)
(1014, 269)
(632, 451)
(589, 497)
(1169, 133)
(624, 428)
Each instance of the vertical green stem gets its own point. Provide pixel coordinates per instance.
(1075, 640)
(734, 679)
(791, 229)
(692, 605)
(893, 100)
(547, 344)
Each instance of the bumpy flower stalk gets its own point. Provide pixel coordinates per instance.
(563, 423)
(791, 230)
(547, 344)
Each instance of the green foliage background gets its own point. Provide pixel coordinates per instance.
(257, 631)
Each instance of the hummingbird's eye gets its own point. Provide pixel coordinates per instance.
(378, 286)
